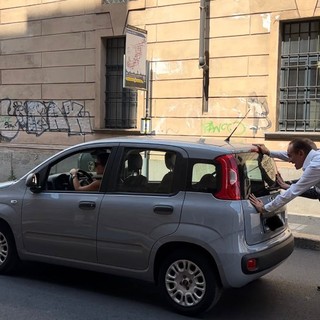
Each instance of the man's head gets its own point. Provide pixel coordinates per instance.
(103, 158)
(298, 149)
(101, 161)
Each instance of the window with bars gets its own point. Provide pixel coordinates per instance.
(120, 103)
(299, 77)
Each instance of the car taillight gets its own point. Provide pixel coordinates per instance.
(230, 183)
(252, 265)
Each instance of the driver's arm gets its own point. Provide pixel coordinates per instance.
(94, 186)
(75, 180)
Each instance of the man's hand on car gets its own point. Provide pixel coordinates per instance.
(260, 148)
(257, 203)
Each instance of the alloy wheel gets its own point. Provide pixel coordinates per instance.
(185, 283)
(3, 248)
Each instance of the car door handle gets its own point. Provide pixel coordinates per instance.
(87, 205)
(163, 209)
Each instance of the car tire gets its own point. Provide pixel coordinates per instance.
(8, 252)
(189, 282)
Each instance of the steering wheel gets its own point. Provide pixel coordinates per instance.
(84, 178)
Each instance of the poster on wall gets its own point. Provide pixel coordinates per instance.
(135, 71)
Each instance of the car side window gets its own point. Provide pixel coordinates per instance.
(204, 177)
(88, 168)
(146, 171)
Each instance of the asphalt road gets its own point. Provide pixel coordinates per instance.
(46, 293)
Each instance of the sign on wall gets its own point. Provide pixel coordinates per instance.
(135, 71)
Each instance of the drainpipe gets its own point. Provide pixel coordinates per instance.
(203, 16)
(204, 51)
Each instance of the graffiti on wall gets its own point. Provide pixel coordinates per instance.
(224, 127)
(258, 114)
(37, 117)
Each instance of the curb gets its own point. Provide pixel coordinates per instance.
(306, 241)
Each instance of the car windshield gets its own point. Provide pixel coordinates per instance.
(257, 174)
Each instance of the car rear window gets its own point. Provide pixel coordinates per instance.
(257, 174)
(204, 177)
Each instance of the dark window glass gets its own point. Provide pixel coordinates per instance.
(120, 103)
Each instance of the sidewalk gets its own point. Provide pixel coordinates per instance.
(306, 230)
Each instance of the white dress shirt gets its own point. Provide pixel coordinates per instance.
(309, 178)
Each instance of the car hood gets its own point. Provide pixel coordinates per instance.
(6, 184)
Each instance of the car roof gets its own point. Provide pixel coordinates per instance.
(194, 146)
(185, 142)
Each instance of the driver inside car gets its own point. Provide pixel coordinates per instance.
(100, 163)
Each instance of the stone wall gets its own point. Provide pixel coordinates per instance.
(52, 65)
(15, 163)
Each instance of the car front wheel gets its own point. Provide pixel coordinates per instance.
(189, 283)
(8, 253)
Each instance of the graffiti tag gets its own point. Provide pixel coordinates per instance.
(37, 117)
(210, 127)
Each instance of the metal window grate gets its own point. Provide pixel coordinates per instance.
(120, 103)
(299, 77)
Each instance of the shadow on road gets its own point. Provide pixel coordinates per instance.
(278, 295)
(90, 281)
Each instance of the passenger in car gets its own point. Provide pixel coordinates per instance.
(301, 152)
(100, 163)
(207, 183)
(135, 182)
(167, 180)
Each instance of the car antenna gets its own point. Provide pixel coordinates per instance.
(230, 135)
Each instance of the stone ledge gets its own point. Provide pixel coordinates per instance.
(288, 136)
(32, 146)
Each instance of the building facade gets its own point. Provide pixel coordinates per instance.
(248, 66)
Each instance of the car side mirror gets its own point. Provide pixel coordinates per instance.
(32, 183)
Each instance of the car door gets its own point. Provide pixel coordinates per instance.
(57, 221)
(139, 211)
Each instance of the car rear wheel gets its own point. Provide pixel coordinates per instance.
(189, 282)
(8, 252)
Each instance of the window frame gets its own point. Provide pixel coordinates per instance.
(299, 89)
(194, 161)
(43, 171)
(179, 175)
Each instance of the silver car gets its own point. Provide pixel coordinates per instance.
(175, 213)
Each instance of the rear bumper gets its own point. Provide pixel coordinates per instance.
(268, 258)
